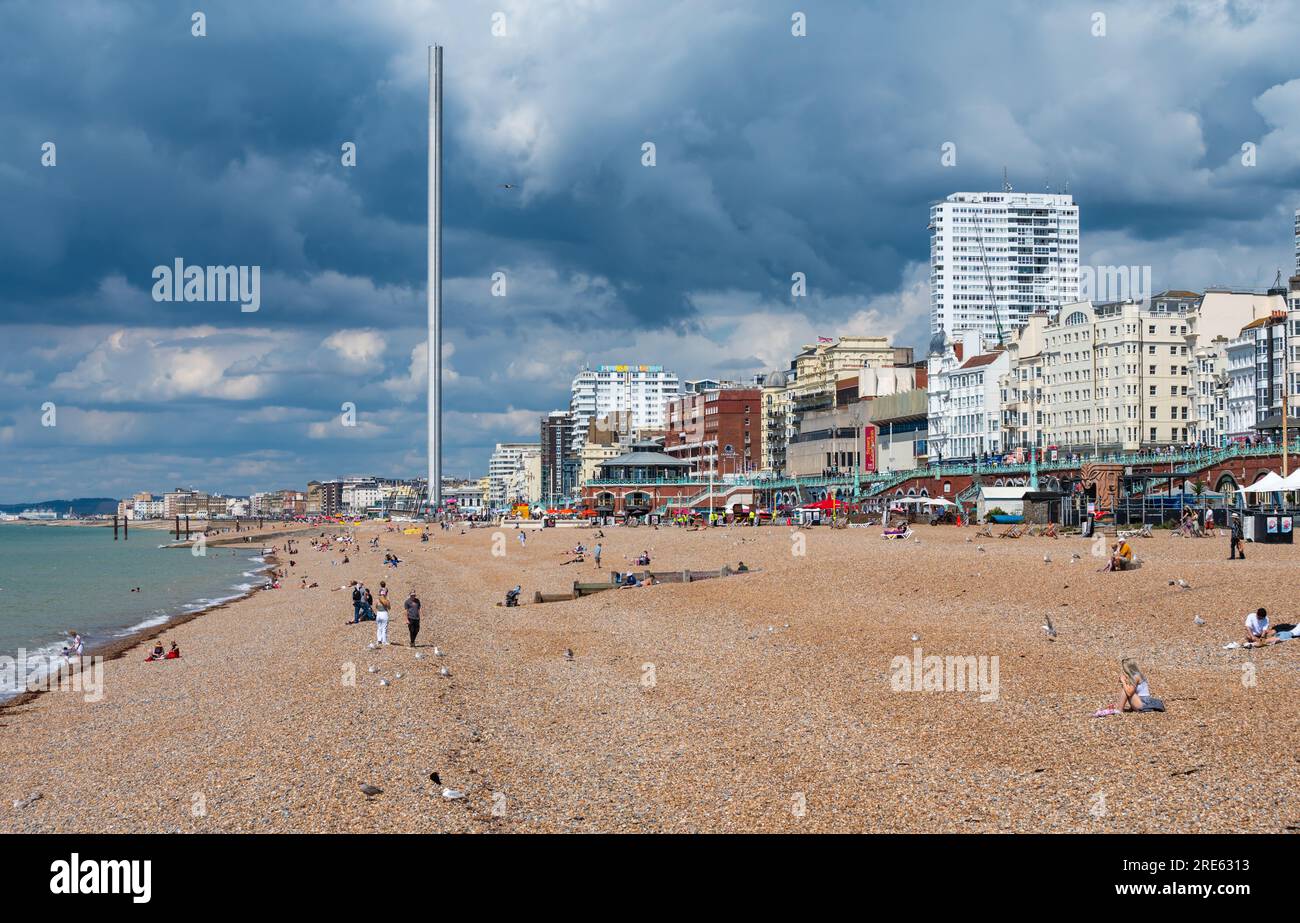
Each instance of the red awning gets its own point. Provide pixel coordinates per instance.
(830, 503)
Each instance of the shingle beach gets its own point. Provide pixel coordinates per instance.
(758, 702)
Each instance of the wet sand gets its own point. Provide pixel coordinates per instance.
(694, 707)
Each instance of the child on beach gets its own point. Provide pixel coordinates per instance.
(174, 653)
(1137, 693)
(74, 647)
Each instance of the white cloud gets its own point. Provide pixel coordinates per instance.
(359, 348)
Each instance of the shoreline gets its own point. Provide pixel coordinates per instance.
(116, 648)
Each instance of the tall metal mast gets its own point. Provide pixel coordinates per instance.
(434, 286)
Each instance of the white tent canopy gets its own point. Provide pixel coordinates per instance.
(1268, 484)
(1293, 481)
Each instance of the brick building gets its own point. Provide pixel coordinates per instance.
(718, 432)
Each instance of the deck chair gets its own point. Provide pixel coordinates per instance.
(1015, 530)
(985, 531)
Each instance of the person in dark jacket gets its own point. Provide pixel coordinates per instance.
(1235, 541)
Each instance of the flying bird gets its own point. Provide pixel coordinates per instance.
(507, 185)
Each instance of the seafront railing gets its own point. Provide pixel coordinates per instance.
(877, 483)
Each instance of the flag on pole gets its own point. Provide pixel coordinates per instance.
(825, 340)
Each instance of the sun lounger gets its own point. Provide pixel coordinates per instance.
(986, 532)
(1015, 530)
(904, 534)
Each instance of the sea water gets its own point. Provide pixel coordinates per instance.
(56, 578)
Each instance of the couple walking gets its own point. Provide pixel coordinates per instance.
(412, 607)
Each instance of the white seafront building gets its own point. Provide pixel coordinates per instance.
(636, 394)
(965, 397)
(998, 257)
(514, 473)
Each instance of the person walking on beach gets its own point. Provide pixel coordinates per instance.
(596, 551)
(381, 615)
(413, 616)
(356, 602)
(1235, 539)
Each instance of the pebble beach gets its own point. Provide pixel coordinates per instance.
(760, 702)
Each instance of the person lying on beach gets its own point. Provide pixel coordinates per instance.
(157, 654)
(629, 582)
(1137, 692)
(1258, 630)
(1121, 556)
(174, 653)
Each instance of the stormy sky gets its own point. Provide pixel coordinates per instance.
(775, 154)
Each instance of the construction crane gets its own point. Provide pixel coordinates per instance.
(988, 275)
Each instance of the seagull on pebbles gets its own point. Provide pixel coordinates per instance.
(1198, 621)
(1050, 629)
(369, 790)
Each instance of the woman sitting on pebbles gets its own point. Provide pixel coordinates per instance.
(1137, 693)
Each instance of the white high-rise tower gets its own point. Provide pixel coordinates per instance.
(998, 257)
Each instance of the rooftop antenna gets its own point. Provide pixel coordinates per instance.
(1006, 185)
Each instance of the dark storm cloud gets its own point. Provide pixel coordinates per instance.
(775, 154)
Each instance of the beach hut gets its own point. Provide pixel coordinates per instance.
(1010, 500)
